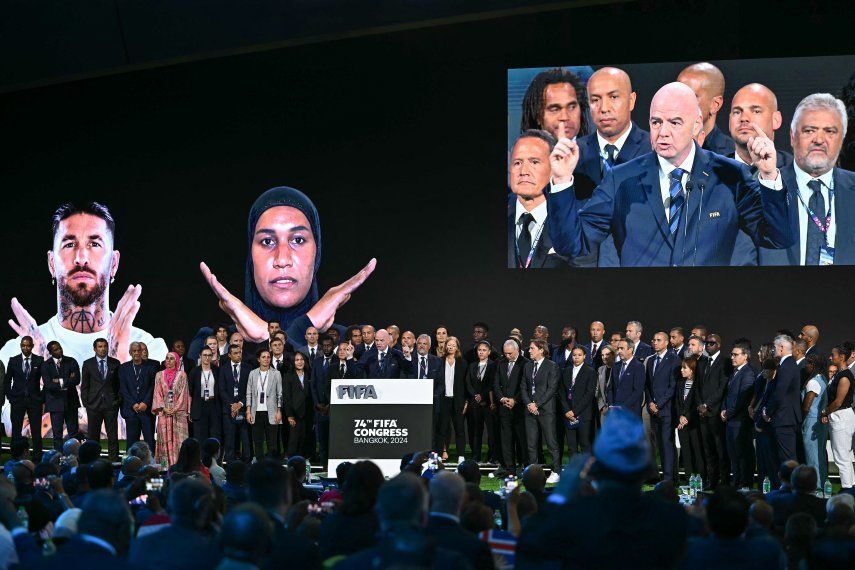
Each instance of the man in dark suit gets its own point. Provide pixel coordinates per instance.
(507, 392)
(617, 140)
(626, 389)
(810, 334)
(707, 81)
(677, 341)
(447, 492)
(678, 226)
(136, 388)
(206, 410)
(562, 354)
(232, 380)
(642, 349)
(782, 408)
(739, 427)
(713, 382)
(99, 389)
(61, 375)
(801, 499)
(22, 387)
(480, 332)
(824, 233)
(382, 361)
(540, 381)
(312, 348)
(425, 365)
(597, 331)
(576, 398)
(180, 349)
(529, 244)
(480, 377)
(662, 371)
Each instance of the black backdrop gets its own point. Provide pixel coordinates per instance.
(400, 141)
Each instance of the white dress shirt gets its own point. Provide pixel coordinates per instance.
(208, 383)
(538, 212)
(602, 142)
(449, 380)
(802, 179)
(576, 370)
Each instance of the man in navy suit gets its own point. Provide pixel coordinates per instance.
(61, 375)
(617, 140)
(734, 413)
(707, 81)
(540, 382)
(597, 331)
(782, 408)
(383, 361)
(23, 389)
(821, 197)
(633, 332)
(677, 340)
(136, 389)
(662, 371)
(507, 391)
(529, 244)
(627, 386)
(99, 390)
(679, 205)
(232, 380)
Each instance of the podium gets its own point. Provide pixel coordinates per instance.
(380, 420)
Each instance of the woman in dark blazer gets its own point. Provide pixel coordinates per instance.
(297, 404)
(686, 407)
(452, 399)
(577, 401)
(479, 397)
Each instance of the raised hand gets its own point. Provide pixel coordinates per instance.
(563, 159)
(252, 327)
(322, 314)
(119, 331)
(25, 325)
(762, 153)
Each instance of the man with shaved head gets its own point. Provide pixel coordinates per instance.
(707, 81)
(677, 206)
(617, 140)
(810, 334)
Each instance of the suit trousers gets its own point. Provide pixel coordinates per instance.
(110, 419)
(476, 417)
(210, 421)
(322, 425)
(448, 417)
(235, 437)
(578, 437)
(715, 452)
(542, 425)
(663, 429)
(691, 450)
(69, 418)
(740, 450)
(296, 436)
(34, 416)
(767, 456)
(513, 435)
(785, 440)
(263, 430)
(138, 424)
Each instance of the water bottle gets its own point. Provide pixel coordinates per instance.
(767, 485)
(24, 517)
(693, 482)
(308, 471)
(827, 489)
(700, 482)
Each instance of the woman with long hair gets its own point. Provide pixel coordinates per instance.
(840, 417)
(297, 404)
(814, 432)
(189, 459)
(171, 406)
(452, 401)
(688, 430)
(354, 525)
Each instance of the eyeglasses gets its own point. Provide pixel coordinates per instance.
(736, 354)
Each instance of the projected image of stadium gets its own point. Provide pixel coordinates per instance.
(683, 164)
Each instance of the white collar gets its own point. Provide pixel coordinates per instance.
(539, 362)
(738, 368)
(666, 167)
(538, 213)
(783, 358)
(621, 140)
(576, 368)
(98, 541)
(802, 178)
(714, 356)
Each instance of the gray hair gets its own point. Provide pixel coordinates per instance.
(637, 325)
(424, 336)
(820, 102)
(510, 343)
(784, 340)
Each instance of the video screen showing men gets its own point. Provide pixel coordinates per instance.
(704, 183)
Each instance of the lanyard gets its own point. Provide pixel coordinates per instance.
(815, 218)
(263, 376)
(531, 251)
(207, 380)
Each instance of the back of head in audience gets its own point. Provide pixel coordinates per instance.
(527, 506)
(447, 490)
(191, 503)
(71, 447)
(667, 491)
(210, 451)
(106, 516)
(785, 471)
(622, 450)
(727, 513)
(473, 494)
(534, 478)
(470, 471)
(141, 449)
(100, 474)
(476, 518)
(402, 502)
(131, 466)
(804, 479)
(298, 464)
(269, 485)
(246, 534)
(236, 473)
(762, 514)
(89, 451)
(19, 448)
(189, 456)
(341, 472)
(361, 487)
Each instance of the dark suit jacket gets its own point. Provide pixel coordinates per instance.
(582, 391)
(559, 358)
(627, 391)
(783, 403)
(76, 554)
(321, 382)
(175, 547)
(194, 378)
(642, 350)
(738, 395)
(718, 142)
(58, 399)
(395, 365)
(482, 387)
(545, 385)
(509, 386)
(628, 205)
(291, 550)
(595, 359)
(226, 385)
(715, 553)
(713, 383)
(688, 405)
(98, 394)
(20, 389)
(791, 503)
(128, 390)
(541, 258)
(662, 384)
(460, 368)
(434, 363)
(844, 214)
(451, 536)
(298, 399)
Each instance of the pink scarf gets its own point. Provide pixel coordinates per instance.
(169, 374)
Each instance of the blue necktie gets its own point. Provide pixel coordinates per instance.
(26, 367)
(609, 160)
(656, 363)
(423, 368)
(101, 369)
(815, 238)
(677, 198)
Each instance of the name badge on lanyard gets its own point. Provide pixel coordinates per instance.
(531, 251)
(263, 385)
(826, 251)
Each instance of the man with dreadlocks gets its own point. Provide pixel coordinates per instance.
(555, 96)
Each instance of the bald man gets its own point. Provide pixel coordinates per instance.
(753, 108)
(677, 206)
(617, 140)
(810, 334)
(707, 81)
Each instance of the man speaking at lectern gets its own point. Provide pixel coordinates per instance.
(678, 205)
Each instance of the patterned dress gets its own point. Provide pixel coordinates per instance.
(172, 428)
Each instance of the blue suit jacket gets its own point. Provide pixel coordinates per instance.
(738, 395)
(642, 351)
(628, 205)
(558, 356)
(844, 213)
(627, 390)
(662, 384)
(395, 365)
(718, 142)
(591, 175)
(131, 393)
(783, 403)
